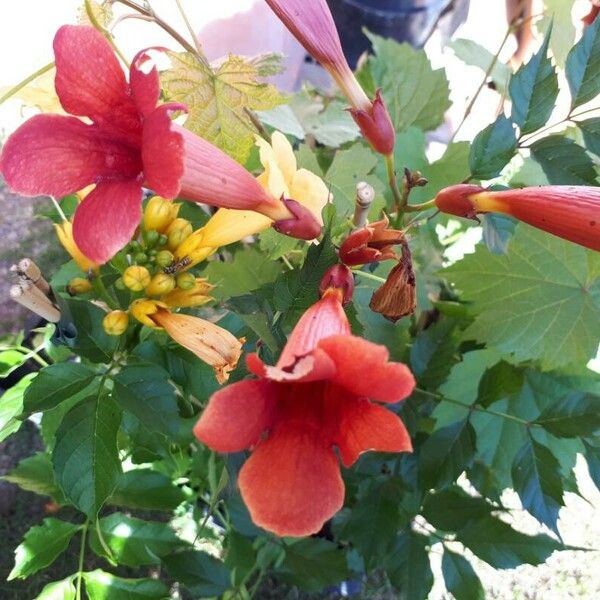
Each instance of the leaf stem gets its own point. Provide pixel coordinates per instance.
(101, 290)
(420, 207)
(84, 531)
(109, 38)
(189, 27)
(393, 183)
(368, 275)
(13, 90)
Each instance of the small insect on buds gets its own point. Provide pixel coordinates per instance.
(79, 285)
(136, 278)
(115, 322)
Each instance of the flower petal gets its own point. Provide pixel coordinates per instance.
(272, 179)
(365, 426)
(163, 151)
(107, 218)
(310, 190)
(228, 225)
(237, 415)
(56, 155)
(363, 368)
(284, 155)
(144, 81)
(316, 366)
(90, 81)
(291, 483)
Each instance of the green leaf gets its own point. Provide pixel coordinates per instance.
(144, 390)
(247, 272)
(575, 415)
(476, 55)
(452, 509)
(408, 567)
(583, 66)
(134, 542)
(35, 474)
(563, 35)
(539, 302)
(217, 99)
(493, 148)
(500, 381)
(85, 458)
(147, 490)
(104, 586)
(58, 590)
(11, 407)
(537, 480)
(497, 232)
(533, 90)
(592, 457)
(202, 574)
(241, 556)
(56, 383)
(591, 134)
(502, 547)
(415, 93)
(276, 245)
(41, 547)
(313, 563)
(446, 454)
(460, 577)
(10, 360)
(563, 161)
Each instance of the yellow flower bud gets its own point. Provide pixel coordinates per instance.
(164, 258)
(185, 281)
(188, 298)
(115, 322)
(160, 284)
(159, 214)
(177, 232)
(79, 285)
(136, 278)
(143, 309)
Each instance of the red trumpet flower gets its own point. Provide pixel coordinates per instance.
(311, 23)
(373, 243)
(129, 144)
(315, 397)
(569, 212)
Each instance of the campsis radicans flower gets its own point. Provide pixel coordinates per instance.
(131, 142)
(311, 23)
(321, 394)
(569, 212)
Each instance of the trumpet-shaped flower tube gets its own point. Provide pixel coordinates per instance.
(311, 23)
(569, 212)
(130, 143)
(318, 396)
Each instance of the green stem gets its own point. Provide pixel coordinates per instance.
(109, 38)
(26, 82)
(368, 275)
(420, 207)
(81, 559)
(189, 27)
(101, 290)
(393, 182)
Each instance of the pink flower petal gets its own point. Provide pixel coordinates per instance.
(107, 218)
(144, 81)
(56, 155)
(237, 415)
(90, 81)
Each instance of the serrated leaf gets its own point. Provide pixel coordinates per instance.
(147, 490)
(35, 474)
(575, 415)
(41, 547)
(11, 407)
(54, 384)
(217, 99)
(591, 134)
(144, 390)
(100, 585)
(276, 245)
(313, 564)
(563, 161)
(85, 458)
(533, 90)
(202, 574)
(583, 66)
(538, 302)
(249, 270)
(493, 148)
(134, 542)
(502, 547)
(460, 577)
(101, 13)
(408, 568)
(446, 454)
(452, 509)
(58, 590)
(537, 480)
(415, 93)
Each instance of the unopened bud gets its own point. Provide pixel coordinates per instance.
(143, 309)
(164, 258)
(177, 232)
(376, 125)
(79, 285)
(141, 258)
(340, 278)
(186, 281)
(159, 214)
(136, 278)
(115, 322)
(151, 237)
(160, 284)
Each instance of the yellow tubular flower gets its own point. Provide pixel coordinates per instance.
(159, 214)
(64, 231)
(144, 309)
(196, 296)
